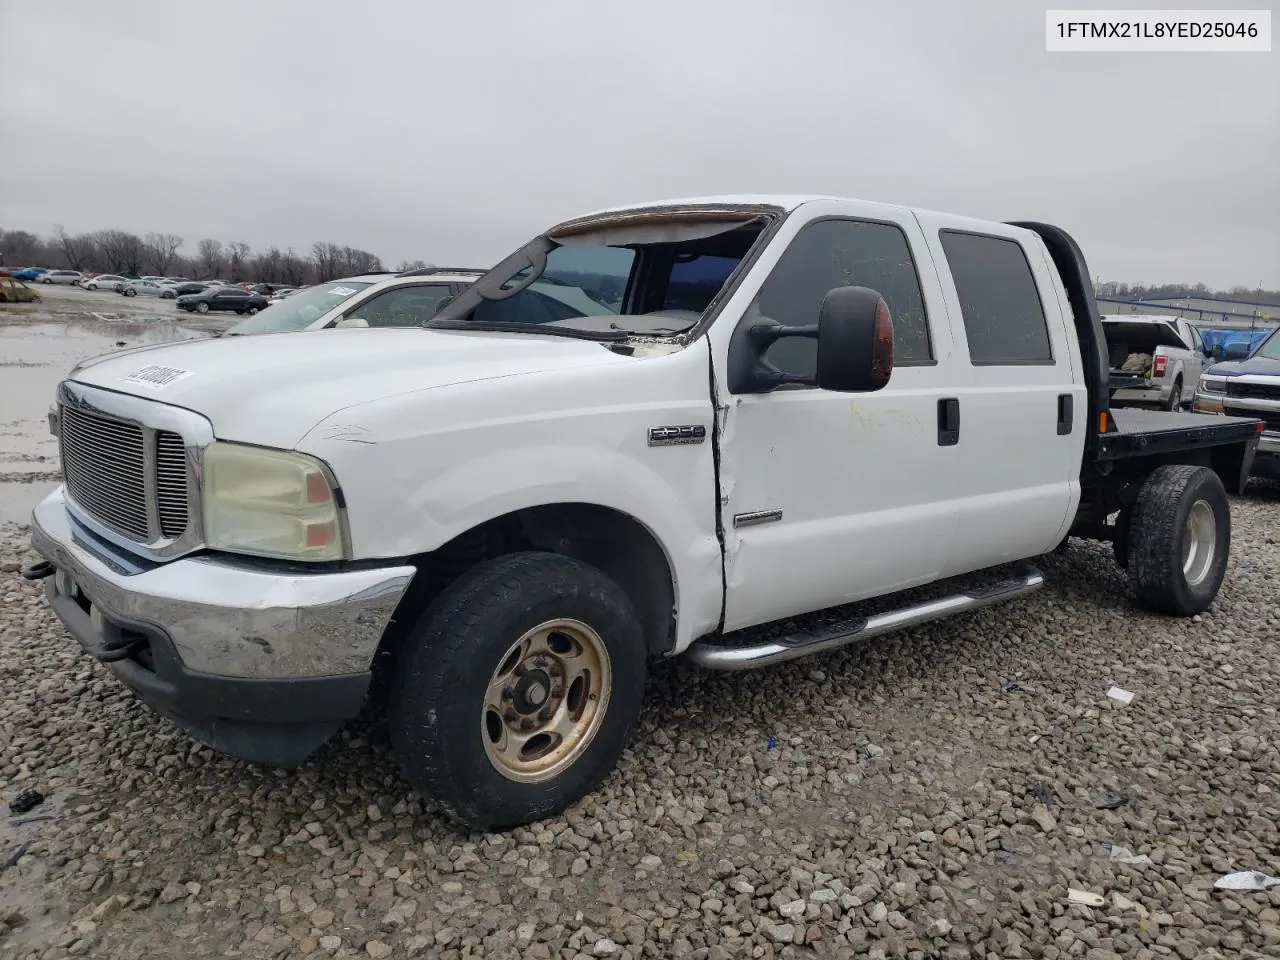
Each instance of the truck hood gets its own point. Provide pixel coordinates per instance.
(271, 389)
(1253, 367)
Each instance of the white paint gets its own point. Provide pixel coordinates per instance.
(431, 432)
(1117, 693)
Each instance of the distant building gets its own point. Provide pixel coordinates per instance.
(1202, 311)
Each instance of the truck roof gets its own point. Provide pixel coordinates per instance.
(786, 202)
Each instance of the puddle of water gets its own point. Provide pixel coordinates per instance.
(35, 354)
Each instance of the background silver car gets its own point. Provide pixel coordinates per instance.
(147, 288)
(106, 281)
(61, 276)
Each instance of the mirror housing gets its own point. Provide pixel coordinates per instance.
(1235, 351)
(854, 351)
(855, 341)
(352, 322)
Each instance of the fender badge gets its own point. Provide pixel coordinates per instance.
(676, 436)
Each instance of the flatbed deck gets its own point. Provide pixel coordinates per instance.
(1142, 432)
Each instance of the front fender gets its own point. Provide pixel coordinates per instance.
(418, 472)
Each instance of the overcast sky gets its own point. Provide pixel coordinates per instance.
(453, 132)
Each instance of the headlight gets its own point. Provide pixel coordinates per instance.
(270, 503)
(1213, 384)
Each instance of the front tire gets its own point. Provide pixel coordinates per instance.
(515, 694)
(202, 307)
(1179, 540)
(130, 292)
(252, 311)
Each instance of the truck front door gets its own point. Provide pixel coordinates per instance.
(827, 498)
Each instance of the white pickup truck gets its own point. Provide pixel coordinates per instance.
(800, 403)
(1155, 359)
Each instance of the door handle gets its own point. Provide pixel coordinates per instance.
(948, 422)
(1066, 404)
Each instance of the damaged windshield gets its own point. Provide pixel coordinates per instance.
(646, 279)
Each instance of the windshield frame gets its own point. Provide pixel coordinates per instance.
(314, 295)
(615, 225)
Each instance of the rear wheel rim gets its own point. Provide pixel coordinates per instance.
(1199, 543)
(545, 701)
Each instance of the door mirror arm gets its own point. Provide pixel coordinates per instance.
(855, 347)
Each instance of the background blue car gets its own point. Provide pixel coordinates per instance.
(28, 273)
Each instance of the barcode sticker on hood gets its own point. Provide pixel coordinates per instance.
(155, 377)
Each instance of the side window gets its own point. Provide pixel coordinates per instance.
(1000, 305)
(404, 306)
(1197, 343)
(840, 253)
(695, 280)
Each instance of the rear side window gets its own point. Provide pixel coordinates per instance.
(1003, 317)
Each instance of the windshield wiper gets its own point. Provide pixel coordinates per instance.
(543, 328)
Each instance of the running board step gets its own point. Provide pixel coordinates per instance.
(831, 636)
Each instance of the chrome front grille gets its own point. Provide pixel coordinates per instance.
(131, 479)
(104, 464)
(171, 483)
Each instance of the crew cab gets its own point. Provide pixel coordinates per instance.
(1154, 359)
(1247, 384)
(493, 523)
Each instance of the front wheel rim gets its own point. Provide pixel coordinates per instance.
(1199, 543)
(546, 700)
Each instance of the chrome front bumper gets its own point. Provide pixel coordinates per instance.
(225, 617)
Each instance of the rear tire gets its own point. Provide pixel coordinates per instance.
(1179, 540)
(1175, 396)
(532, 626)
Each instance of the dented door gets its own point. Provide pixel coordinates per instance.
(828, 498)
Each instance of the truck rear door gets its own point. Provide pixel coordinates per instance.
(1023, 411)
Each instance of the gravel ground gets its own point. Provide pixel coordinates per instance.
(935, 795)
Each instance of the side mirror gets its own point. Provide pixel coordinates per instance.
(352, 322)
(855, 341)
(854, 350)
(1235, 351)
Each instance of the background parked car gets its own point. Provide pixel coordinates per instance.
(104, 281)
(28, 273)
(146, 288)
(189, 286)
(223, 298)
(281, 294)
(61, 276)
(388, 300)
(13, 290)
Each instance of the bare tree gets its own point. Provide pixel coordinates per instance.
(237, 254)
(162, 250)
(123, 252)
(404, 265)
(326, 258)
(293, 269)
(20, 247)
(77, 250)
(209, 257)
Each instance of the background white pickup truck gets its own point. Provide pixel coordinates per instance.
(501, 518)
(1158, 359)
